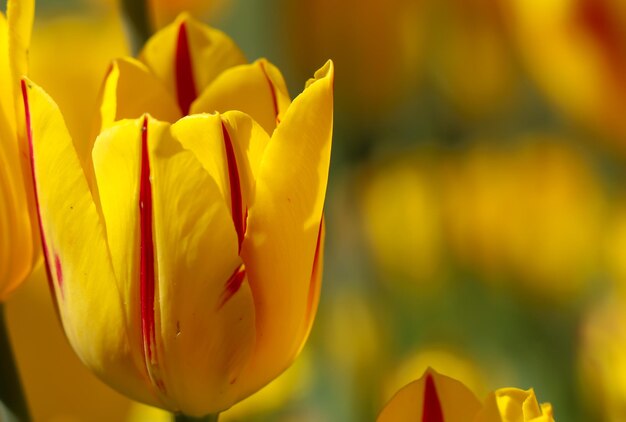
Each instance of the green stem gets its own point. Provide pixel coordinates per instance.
(136, 17)
(12, 402)
(179, 417)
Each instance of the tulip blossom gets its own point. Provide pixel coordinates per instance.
(18, 251)
(437, 398)
(186, 253)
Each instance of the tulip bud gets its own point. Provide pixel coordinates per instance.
(437, 398)
(186, 258)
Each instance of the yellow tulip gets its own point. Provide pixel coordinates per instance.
(601, 361)
(576, 51)
(513, 405)
(186, 258)
(432, 398)
(18, 250)
(438, 398)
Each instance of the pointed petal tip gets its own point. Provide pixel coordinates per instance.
(327, 71)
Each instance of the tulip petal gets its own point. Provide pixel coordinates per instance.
(7, 105)
(513, 404)
(119, 98)
(194, 341)
(230, 148)
(206, 307)
(284, 225)
(15, 234)
(257, 89)
(76, 252)
(15, 231)
(432, 398)
(187, 55)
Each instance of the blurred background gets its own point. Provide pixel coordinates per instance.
(476, 209)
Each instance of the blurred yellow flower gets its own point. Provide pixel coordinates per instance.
(441, 359)
(58, 386)
(18, 236)
(205, 237)
(402, 219)
(534, 212)
(96, 39)
(469, 57)
(602, 363)
(438, 398)
(576, 51)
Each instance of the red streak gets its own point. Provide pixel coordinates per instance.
(44, 244)
(596, 18)
(232, 285)
(432, 407)
(146, 271)
(236, 201)
(185, 85)
(272, 91)
(59, 271)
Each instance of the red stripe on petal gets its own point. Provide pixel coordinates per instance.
(236, 200)
(44, 244)
(432, 406)
(59, 272)
(185, 85)
(272, 91)
(146, 270)
(232, 285)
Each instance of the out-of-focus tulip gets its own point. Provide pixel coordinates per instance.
(402, 218)
(615, 247)
(433, 397)
(83, 397)
(96, 39)
(576, 51)
(186, 258)
(601, 359)
(18, 238)
(442, 359)
(534, 212)
(514, 405)
(464, 34)
(438, 398)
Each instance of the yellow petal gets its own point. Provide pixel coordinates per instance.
(130, 90)
(207, 316)
(513, 405)
(195, 328)
(205, 136)
(284, 227)
(77, 256)
(16, 243)
(434, 397)
(257, 89)
(187, 55)
(7, 105)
